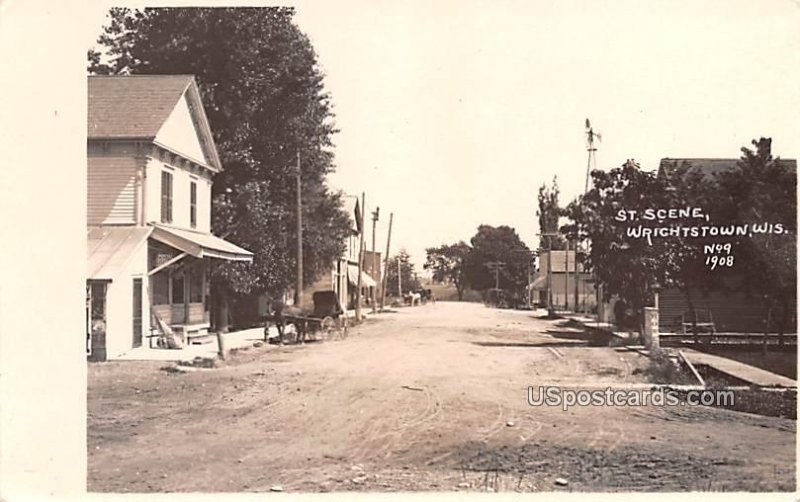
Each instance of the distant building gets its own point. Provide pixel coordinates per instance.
(151, 164)
(343, 276)
(563, 280)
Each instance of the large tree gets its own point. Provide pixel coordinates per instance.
(498, 245)
(447, 264)
(263, 92)
(759, 191)
(548, 214)
(400, 265)
(623, 266)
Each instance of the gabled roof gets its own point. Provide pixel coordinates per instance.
(136, 107)
(132, 106)
(709, 167)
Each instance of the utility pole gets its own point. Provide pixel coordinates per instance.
(530, 279)
(298, 292)
(566, 278)
(577, 277)
(374, 266)
(495, 267)
(549, 236)
(360, 258)
(549, 276)
(399, 279)
(385, 275)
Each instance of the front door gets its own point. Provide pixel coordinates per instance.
(97, 319)
(137, 312)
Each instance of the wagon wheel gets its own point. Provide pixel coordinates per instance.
(327, 327)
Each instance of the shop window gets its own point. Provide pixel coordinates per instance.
(177, 287)
(196, 283)
(160, 285)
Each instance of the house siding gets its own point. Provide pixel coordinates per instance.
(732, 312)
(180, 133)
(112, 199)
(181, 182)
(119, 305)
(564, 291)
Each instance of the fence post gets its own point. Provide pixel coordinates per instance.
(650, 335)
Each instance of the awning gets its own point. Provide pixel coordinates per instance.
(199, 245)
(366, 280)
(108, 249)
(539, 283)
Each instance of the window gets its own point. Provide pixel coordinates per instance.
(193, 204)
(177, 287)
(166, 197)
(196, 283)
(160, 285)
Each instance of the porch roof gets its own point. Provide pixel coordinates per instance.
(366, 280)
(109, 248)
(198, 244)
(539, 283)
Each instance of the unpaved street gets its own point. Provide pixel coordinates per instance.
(425, 398)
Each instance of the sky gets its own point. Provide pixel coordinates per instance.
(452, 114)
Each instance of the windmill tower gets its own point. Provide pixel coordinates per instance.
(591, 161)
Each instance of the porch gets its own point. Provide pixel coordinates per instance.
(178, 266)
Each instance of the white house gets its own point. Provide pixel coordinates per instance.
(151, 161)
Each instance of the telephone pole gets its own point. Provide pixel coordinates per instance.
(360, 258)
(566, 278)
(298, 292)
(385, 276)
(496, 266)
(374, 267)
(399, 279)
(549, 236)
(576, 273)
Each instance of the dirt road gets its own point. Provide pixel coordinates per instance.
(426, 398)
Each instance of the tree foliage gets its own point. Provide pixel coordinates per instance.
(263, 92)
(762, 190)
(447, 263)
(401, 264)
(498, 244)
(548, 213)
(759, 189)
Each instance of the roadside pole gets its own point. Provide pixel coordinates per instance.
(298, 293)
(549, 276)
(566, 278)
(399, 279)
(360, 258)
(373, 267)
(385, 275)
(530, 291)
(575, 260)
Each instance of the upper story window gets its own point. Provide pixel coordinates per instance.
(166, 197)
(193, 204)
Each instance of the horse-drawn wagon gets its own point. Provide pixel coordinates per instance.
(326, 321)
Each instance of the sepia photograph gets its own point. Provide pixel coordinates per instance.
(464, 247)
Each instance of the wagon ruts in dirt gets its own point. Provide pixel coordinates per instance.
(325, 322)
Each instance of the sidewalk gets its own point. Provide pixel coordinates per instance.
(233, 340)
(741, 371)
